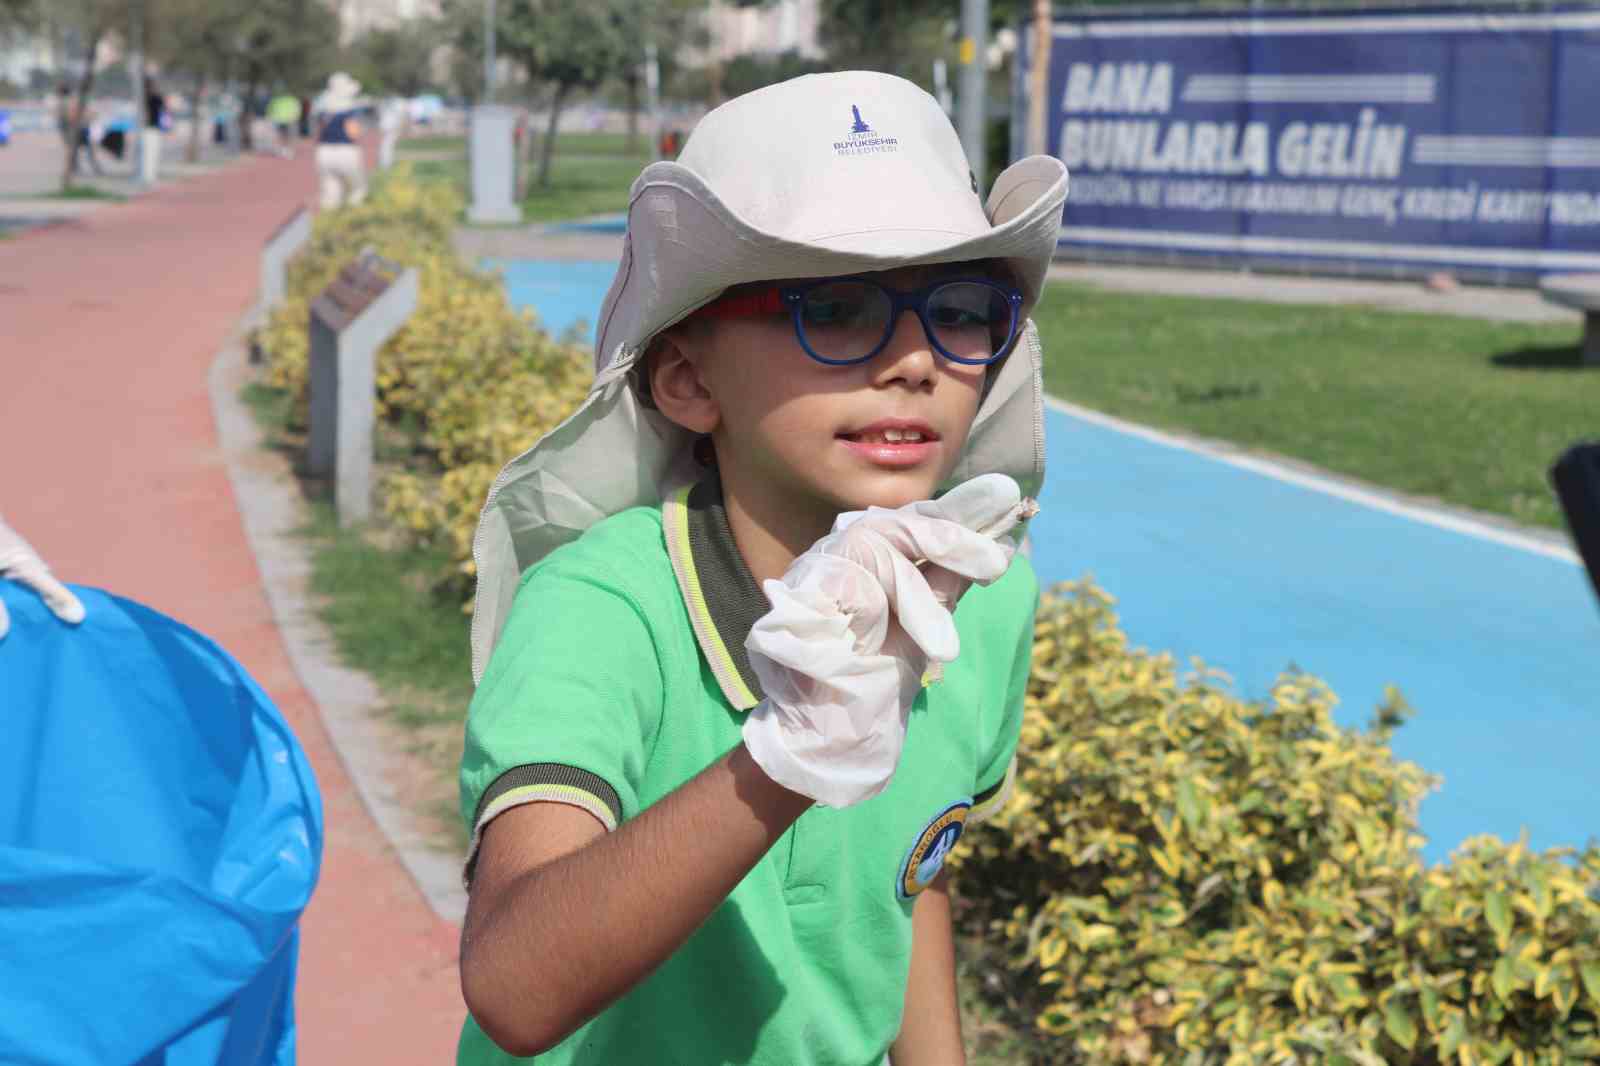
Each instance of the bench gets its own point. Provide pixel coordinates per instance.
(1580, 291)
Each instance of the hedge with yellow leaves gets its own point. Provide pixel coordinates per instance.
(475, 381)
(1186, 878)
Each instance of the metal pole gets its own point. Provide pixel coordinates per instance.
(652, 88)
(138, 149)
(973, 106)
(1039, 77)
(488, 51)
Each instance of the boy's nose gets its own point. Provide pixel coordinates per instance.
(908, 357)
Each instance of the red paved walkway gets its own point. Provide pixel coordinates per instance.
(109, 464)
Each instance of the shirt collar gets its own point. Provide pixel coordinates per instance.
(722, 596)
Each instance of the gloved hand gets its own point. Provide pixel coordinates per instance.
(854, 624)
(19, 562)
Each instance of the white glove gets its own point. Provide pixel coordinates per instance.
(19, 562)
(853, 627)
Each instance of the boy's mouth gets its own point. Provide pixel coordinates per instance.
(892, 443)
(891, 432)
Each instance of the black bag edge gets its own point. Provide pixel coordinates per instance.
(1576, 478)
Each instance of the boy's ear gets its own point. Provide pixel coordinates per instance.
(677, 387)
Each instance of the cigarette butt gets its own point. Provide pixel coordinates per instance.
(1023, 511)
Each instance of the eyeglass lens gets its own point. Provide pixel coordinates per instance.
(848, 319)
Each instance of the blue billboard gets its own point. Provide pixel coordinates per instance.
(1378, 140)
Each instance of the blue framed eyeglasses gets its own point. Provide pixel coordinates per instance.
(849, 320)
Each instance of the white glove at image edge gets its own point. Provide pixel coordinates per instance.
(20, 563)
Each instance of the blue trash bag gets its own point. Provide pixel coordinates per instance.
(160, 835)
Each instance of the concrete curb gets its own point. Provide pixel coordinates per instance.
(271, 509)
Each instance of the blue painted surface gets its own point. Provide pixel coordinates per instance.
(564, 294)
(1498, 648)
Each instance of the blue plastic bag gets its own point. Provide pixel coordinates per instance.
(160, 835)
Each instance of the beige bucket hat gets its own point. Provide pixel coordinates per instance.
(826, 174)
(343, 92)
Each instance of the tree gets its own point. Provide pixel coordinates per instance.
(668, 25)
(568, 46)
(397, 59)
(83, 25)
(18, 15)
(293, 43)
(198, 38)
(900, 37)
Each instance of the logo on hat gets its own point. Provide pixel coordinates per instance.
(862, 139)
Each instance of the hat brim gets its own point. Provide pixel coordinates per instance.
(685, 246)
(697, 246)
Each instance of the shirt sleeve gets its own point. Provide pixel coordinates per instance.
(998, 772)
(568, 708)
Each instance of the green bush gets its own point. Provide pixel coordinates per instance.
(476, 381)
(1186, 878)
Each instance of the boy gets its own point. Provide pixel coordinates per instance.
(709, 786)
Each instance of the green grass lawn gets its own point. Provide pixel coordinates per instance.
(1462, 410)
(378, 595)
(77, 192)
(432, 142)
(581, 187)
(575, 143)
(583, 181)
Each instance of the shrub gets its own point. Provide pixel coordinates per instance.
(1186, 878)
(473, 381)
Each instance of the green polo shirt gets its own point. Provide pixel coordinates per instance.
(621, 674)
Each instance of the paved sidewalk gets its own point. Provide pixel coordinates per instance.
(110, 464)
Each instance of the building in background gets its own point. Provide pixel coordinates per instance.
(358, 16)
(783, 26)
(23, 54)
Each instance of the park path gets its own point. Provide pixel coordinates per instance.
(110, 465)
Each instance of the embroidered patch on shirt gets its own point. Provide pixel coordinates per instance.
(926, 857)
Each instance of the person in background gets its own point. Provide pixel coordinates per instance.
(283, 111)
(155, 115)
(221, 116)
(66, 110)
(341, 171)
(115, 136)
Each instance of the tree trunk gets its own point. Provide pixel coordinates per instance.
(1039, 82)
(75, 121)
(632, 82)
(192, 153)
(247, 117)
(548, 148)
(525, 155)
